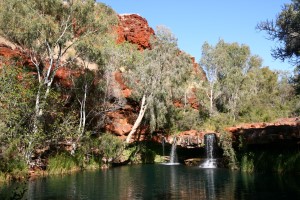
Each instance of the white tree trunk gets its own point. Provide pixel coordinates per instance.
(211, 101)
(82, 120)
(138, 121)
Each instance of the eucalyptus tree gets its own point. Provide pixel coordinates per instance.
(160, 78)
(96, 90)
(212, 62)
(226, 66)
(48, 30)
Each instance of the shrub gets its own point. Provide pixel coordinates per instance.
(225, 142)
(110, 147)
(62, 163)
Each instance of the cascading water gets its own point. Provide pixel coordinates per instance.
(163, 140)
(210, 142)
(173, 154)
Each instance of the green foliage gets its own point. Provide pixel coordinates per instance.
(159, 159)
(239, 87)
(12, 163)
(270, 161)
(217, 122)
(79, 35)
(147, 155)
(226, 66)
(141, 153)
(296, 80)
(285, 30)
(185, 119)
(161, 76)
(15, 191)
(62, 163)
(16, 111)
(55, 33)
(225, 142)
(15, 99)
(87, 155)
(247, 163)
(110, 147)
(35, 22)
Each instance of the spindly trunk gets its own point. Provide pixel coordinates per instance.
(138, 121)
(82, 120)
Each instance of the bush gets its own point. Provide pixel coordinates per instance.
(268, 161)
(247, 163)
(62, 163)
(110, 147)
(225, 142)
(12, 163)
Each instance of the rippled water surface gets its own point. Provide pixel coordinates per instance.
(160, 182)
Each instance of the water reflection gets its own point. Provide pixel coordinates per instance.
(209, 184)
(161, 182)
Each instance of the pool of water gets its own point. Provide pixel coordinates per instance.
(160, 182)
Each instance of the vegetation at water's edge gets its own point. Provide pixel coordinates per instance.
(49, 126)
(268, 161)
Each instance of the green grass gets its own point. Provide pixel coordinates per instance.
(61, 164)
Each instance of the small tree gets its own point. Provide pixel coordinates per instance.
(212, 62)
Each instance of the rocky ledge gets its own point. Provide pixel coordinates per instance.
(285, 130)
(186, 139)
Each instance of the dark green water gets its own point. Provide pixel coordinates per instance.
(161, 182)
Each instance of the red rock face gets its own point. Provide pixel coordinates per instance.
(64, 76)
(134, 29)
(126, 92)
(119, 123)
(7, 54)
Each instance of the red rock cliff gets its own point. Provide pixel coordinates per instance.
(134, 29)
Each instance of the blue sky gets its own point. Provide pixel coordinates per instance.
(195, 21)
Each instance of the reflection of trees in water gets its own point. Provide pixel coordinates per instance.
(199, 184)
(162, 182)
(193, 184)
(14, 191)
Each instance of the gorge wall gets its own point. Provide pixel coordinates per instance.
(135, 29)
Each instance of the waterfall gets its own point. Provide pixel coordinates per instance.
(173, 154)
(163, 145)
(210, 142)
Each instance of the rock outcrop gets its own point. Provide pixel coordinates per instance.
(134, 29)
(8, 53)
(16, 56)
(186, 139)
